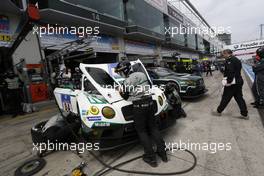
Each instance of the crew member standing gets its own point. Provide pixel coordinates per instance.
(143, 109)
(259, 80)
(208, 69)
(234, 85)
(14, 94)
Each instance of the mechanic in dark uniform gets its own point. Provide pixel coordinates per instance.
(2, 92)
(234, 85)
(254, 87)
(258, 69)
(14, 92)
(143, 109)
(77, 78)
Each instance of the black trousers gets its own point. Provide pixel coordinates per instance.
(146, 126)
(254, 90)
(14, 100)
(236, 92)
(209, 71)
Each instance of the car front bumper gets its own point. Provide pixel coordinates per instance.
(194, 92)
(120, 135)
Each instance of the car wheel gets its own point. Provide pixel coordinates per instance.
(30, 167)
(176, 86)
(37, 134)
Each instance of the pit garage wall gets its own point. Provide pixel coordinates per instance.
(28, 50)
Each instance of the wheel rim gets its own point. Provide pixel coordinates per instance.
(28, 167)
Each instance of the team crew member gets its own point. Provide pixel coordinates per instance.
(143, 109)
(234, 85)
(14, 94)
(259, 81)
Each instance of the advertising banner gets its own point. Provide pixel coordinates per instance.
(133, 47)
(5, 36)
(101, 43)
(247, 45)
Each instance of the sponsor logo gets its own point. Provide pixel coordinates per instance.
(85, 112)
(102, 124)
(236, 46)
(66, 102)
(94, 110)
(5, 38)
(94, 118)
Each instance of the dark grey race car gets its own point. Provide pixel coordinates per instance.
(187, 85)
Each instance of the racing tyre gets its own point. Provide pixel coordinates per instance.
(176, 86)
(36, 133)
(30, 167)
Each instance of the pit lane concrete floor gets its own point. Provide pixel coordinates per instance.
(246, 157)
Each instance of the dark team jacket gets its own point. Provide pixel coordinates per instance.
(259, 72)
(259, 68)
(233, 68)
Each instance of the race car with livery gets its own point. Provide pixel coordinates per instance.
(188, 86)
(105, 116)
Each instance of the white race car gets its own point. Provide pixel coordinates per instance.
(106, 117)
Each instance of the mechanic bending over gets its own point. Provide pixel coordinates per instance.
(143, 109)
(57, 129)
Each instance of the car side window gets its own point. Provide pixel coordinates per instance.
(153, 75)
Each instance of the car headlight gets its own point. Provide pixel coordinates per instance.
(183, 83)
(160, 100)
(108, 112)
(191, 83)
(187, 83)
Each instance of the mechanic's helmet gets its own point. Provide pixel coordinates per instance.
(123, 67)
(260, 53)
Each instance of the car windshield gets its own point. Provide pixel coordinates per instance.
(163, 72)
(101, 77)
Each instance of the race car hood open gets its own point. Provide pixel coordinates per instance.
(106, 81)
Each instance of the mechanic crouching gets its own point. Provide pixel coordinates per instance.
(143, 109)
(259, 79)
(174, 100)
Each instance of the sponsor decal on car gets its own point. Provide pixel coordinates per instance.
(66, 102)
(94, 118)
(85, 112)
(102, 124)
(94, 110)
